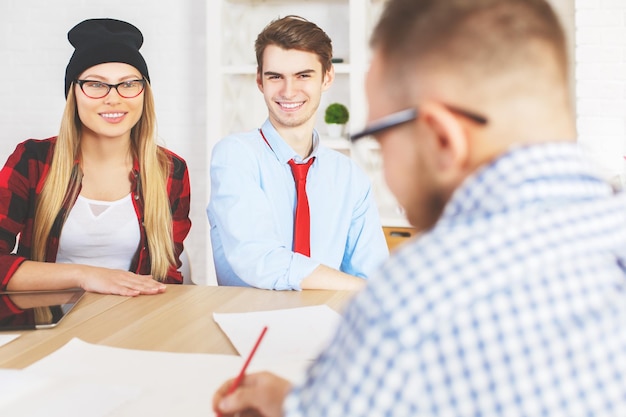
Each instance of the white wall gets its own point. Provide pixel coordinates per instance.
(601, 81)
(34, 52)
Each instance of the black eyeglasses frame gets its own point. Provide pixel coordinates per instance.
(111, 86)
(407, 115)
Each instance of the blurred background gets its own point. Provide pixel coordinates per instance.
(200, 56)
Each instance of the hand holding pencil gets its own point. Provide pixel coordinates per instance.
(263, 392)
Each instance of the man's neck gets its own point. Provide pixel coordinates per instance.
(300, 138)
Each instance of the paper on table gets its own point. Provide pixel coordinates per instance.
(171, 384)
(294, 333)
(27, 394)
(6, 338)
(15, 384)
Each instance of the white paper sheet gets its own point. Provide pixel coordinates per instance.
(295, 333)
(6, 338)
(168, 384)
(15, 385)
(27, 394)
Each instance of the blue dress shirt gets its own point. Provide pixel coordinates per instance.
(251, 212)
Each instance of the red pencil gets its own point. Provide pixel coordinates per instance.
(239, 378)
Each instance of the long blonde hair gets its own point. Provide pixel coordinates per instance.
(65, 175)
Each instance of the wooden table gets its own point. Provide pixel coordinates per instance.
(179, 320)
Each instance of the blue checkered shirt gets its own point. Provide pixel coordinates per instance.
(512, 305)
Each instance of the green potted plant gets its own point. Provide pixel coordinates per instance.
(336, 117)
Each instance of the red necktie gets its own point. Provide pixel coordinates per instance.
(302, 221)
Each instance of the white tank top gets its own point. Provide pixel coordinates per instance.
(100, 233)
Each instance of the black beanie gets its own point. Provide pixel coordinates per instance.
(97, 41)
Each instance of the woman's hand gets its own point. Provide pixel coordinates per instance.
(115, 281)
(260, 394)
(36, 276)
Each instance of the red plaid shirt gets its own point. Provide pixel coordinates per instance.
(21, 181)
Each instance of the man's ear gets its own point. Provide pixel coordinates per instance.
(329, 77)
(449, 143)
(259, 81)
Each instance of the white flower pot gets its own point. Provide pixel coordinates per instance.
(335, 130)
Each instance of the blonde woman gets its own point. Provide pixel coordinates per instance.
(100, 206)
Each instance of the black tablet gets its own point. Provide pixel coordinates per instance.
(36, 309)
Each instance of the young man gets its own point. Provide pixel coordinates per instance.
(511, 302)
(335, 238)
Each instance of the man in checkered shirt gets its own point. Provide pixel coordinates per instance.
(512, 301)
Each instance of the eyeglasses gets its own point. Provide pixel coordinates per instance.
(408, 115)
(98, 89)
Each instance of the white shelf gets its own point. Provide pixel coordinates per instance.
(342, 68)
(367, 143)
(335, 143)
(394, 221)
(278, 2)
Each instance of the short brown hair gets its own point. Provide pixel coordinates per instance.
(481, 37)
(295, 32)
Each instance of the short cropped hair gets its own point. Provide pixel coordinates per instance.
(295, 32)
(480, 37)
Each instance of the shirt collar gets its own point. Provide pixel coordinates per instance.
(547, 173)
(281, 149)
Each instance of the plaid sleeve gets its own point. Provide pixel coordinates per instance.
(20, 179)
(179, 192)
